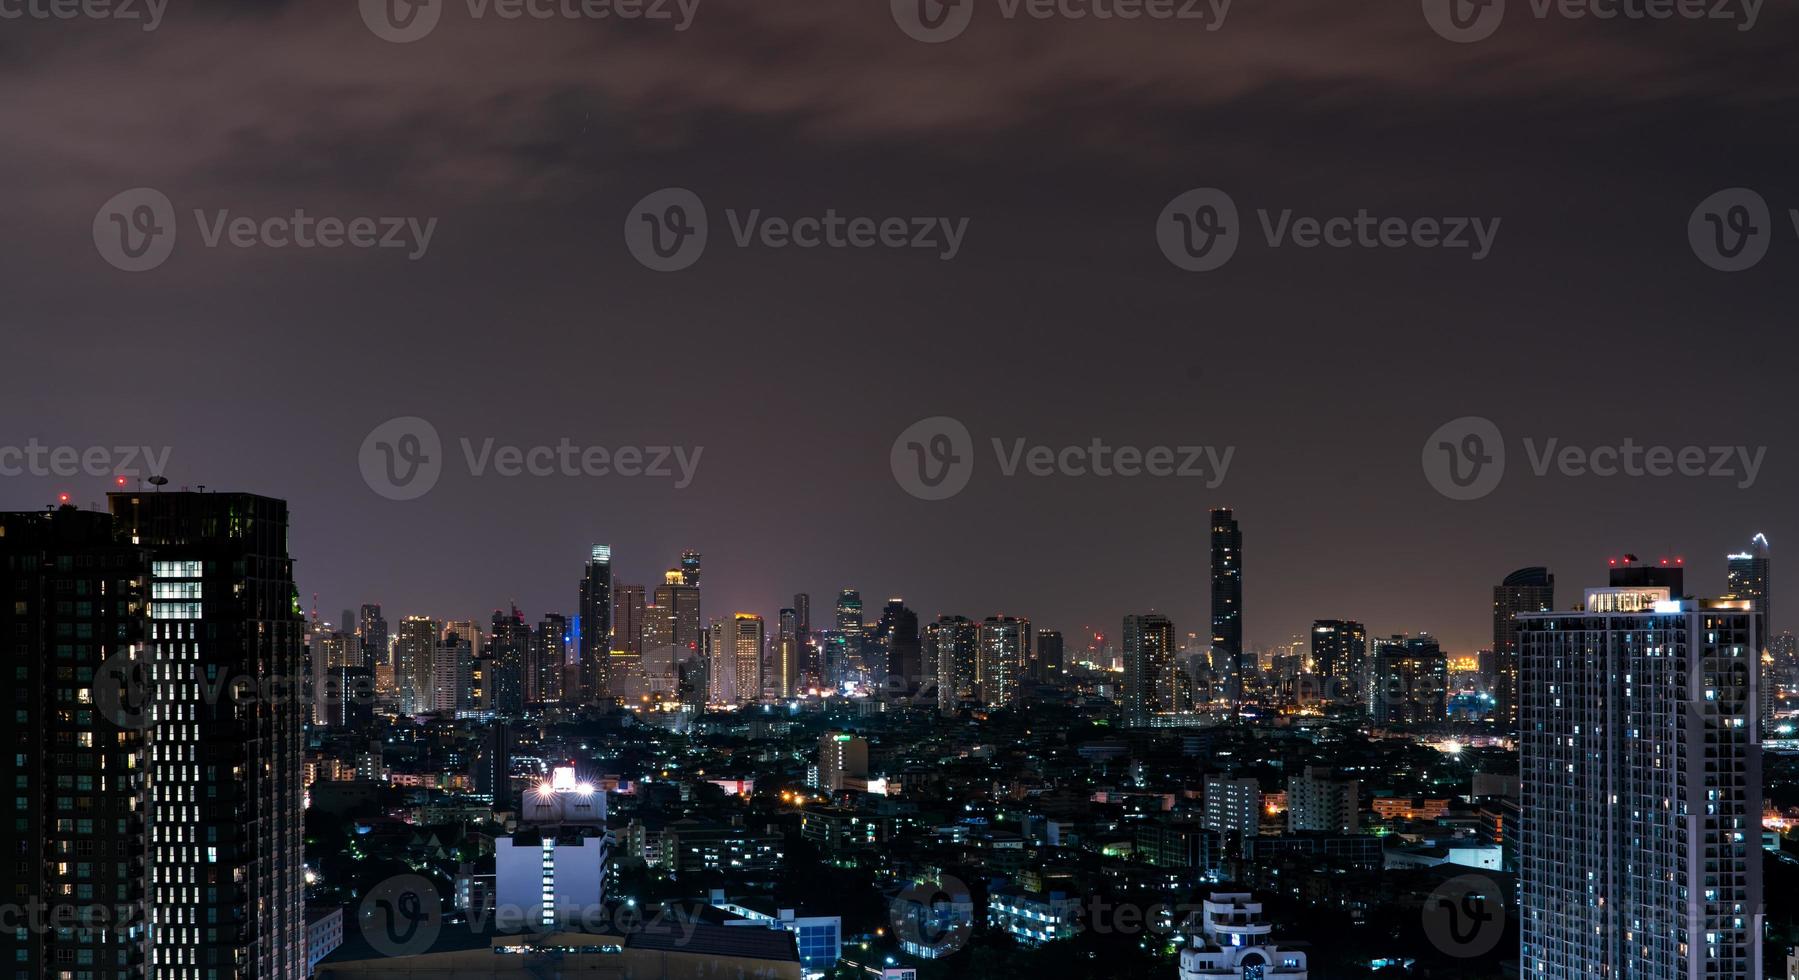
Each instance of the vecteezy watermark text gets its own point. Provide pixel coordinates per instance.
(148, 11)
(405, 21)
(1201, 230)
(1467, 21)
(1465, 459)
(934, 458)
(135, 230)
(936, 21)
(668, 230)
(36, 459)
(402, 459)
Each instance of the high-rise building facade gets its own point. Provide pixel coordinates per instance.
(596, 625)
(1340, 658)
(1747, 576)
(543, 673)
(1527, 590)
(802, 622)
(1049, 661)
(1233, 806)
(74, 621)
(509, 646)
(628, 602)
(749, 636)
(1640, 767)
(371, 633)
(785, 663)
(999, 664)
(950, 649)
(415, 658)
(1150, 685)
(225, 810)
(901, 645)
(1227, 602)
(1321, 801)
(1410, 682)
(846, 659)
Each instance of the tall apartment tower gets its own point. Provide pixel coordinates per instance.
(1227, 602)
(510, 648)
(748, 637)
(74, 619)
(225, 889)
(371, 633)
(1048, 663)
(950, 648)
(1151, 686)
(1340, 658)
(543, 674)
(596, 625)
(999, 665)
(1527, 590)
(1640, 765)
(1746, 576)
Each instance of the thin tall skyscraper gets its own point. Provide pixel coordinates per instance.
(596, 625)
(786, 663)
(898, 630)
(847, 657)
(1526, 590)
(1227, 602)
(543, 674)
(1747, 577)
(510, 649)
(371, 633)
(1640, 766)
(627, 619)
(1340, 658)
(747, 641)
(950, 649)
(415, 656)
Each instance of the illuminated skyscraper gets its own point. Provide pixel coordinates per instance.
(950, 650)
(1339, 658)
(1526, 590)
(371, 631)
(1151, 684)
(415, 658)
(897, 635)
(784, 679)
(543, 672)
(999, 666)
(1747, 577)
(1410, 682)
(1227, 602)
(748, 639)
(1640, 767)
(846, 658)
(596, 625)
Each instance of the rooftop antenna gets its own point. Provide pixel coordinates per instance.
(158, 481)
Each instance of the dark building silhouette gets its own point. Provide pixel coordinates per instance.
(1227, 601)
(596, 626)
(1526, 590)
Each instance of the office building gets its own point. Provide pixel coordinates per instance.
(451, 662)
(749, 637)
(596, 626)
(1640, 765)
(844, 660)
(1227, 603)
(1049, 661)
(628, 602)
(371, 633)
(1527, 590)
(897, 631)
(544, 670)
(842, 761)
(785, 665)
(818, 937)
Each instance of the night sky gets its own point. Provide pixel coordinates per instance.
(1060, 320)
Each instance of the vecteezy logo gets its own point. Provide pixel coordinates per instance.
(933, 459)
(1464, 21)
(933, 916)
(121, 689)
(1465, 459)
(666, 231)
(401, 916)
(1199, 230)
(402, 458)
(135, 229)
(933, 21)
(1465, 916)
(1730, 231)
(401, 21)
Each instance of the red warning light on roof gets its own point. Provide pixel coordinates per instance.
(62, 498)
